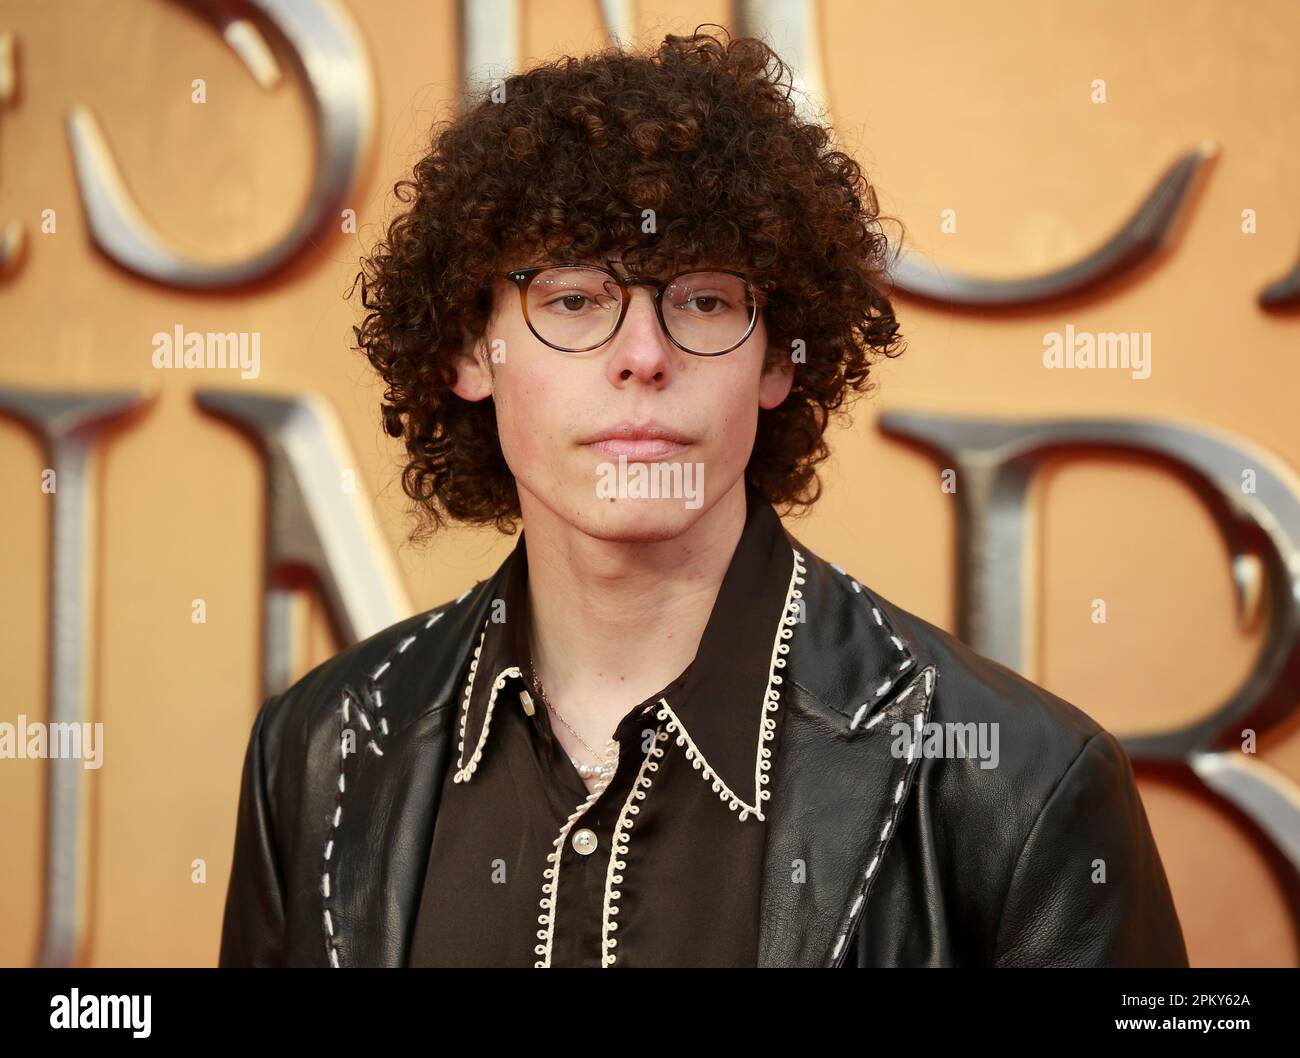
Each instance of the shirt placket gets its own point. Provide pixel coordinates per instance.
(620, 844)
(577, 850)
(565, 853)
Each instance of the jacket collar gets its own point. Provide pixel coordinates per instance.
(720, 710)
(837, 791)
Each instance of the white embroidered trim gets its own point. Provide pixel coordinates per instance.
(465, 771)
(348, 697)
(622, 830)
(771, 700)
(551, 884)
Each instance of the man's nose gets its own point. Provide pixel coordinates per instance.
(641, 319)
(642, 349)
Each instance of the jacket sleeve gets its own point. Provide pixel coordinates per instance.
(1088, 888)
(253, 929)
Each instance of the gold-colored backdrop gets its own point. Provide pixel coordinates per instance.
(982, 109)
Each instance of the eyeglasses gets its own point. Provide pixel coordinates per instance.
(575, 308)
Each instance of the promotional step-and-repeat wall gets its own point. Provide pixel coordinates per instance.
(1084, 463)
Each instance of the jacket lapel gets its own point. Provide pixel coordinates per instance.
(403, 717)
(838, 790)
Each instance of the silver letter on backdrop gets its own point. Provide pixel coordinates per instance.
(338, 74)
(318, 535)
(68, 425)
(996, 461)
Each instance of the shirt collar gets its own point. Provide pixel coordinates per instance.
(720, 711)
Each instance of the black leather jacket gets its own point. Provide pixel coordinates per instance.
(872, 858)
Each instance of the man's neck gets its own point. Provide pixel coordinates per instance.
(614, 622)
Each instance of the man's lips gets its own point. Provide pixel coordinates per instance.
(643, 440)
(638, 448)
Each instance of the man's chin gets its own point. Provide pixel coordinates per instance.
(636, 520)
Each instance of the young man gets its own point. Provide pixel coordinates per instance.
(625, 297)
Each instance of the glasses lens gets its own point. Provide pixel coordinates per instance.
(708, 312)
(573, 308)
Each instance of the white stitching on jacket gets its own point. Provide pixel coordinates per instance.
(907, 662)
(347, 696)
(928, 676)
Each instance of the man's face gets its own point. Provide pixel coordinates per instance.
(563, 418)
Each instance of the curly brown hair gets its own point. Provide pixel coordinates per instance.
(704, 131)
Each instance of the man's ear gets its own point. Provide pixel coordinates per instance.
(778, 377)
(473, 376)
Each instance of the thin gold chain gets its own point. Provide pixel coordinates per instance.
(532, 670)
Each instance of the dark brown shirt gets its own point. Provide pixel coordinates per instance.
(662, 864)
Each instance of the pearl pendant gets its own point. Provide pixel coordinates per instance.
(586, 771)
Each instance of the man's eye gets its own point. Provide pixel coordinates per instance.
(570, 303)
(593, 302)
(707, 304)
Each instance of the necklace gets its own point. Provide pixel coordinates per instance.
(586, 771)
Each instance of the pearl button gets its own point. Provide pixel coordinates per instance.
(584, 841)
